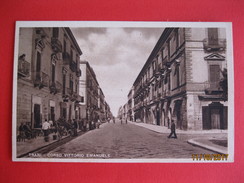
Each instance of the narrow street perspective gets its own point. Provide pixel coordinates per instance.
(116, 140)
(150, 92)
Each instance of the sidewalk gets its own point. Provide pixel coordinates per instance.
(216, 140)
(31, 145)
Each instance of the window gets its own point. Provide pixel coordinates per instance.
(177, 75)
(38, 65)
(148, 72)
(213, 36)
(168, 48)
(64, 46)
(154, 66)
(71, 54)
(214, 76)
(181, 36)
(173, 44)
(55, 32)
(53, 73)
(71, 83)
(76, 86)
(64, 83)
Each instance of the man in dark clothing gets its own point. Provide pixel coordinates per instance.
(172, 130)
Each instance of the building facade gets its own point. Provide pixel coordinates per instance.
(181, 80)
(130, 105)
(48, 76)
(93, 103)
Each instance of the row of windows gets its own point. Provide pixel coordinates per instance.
(73, 56)
(167, 51)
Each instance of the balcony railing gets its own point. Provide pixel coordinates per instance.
(41, 80)
(69, 91)
(55, 87)
(24, 68)
(214, 88)
(66, 58)
(78, 72)
(73, 66)
(74, 97)
(214, 45)
(56, 45)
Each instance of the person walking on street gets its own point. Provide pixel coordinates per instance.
(113, 119)
(126, 120)
(172, 130)
(45, 128)
(121, 121)
(98, 123)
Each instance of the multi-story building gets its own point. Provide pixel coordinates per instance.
(130, 105)
(48, 75)
(108, 113)
(181, 79)
(101, 105)
(89, 88)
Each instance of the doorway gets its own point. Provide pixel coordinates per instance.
(52, 112)
(37, 116)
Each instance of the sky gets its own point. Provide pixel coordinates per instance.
(116, 55)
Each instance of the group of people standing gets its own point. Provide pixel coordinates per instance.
(54, 127)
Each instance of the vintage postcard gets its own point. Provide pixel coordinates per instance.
(123, 92)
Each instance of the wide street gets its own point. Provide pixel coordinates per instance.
(128, 141)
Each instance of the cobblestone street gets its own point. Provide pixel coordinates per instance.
(129, 141)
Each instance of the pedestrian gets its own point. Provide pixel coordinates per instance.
(98, 123)
(51, 126)
(114, 120)
(126, 120)
(57, 130)
(121, 120)
(21, 136)
(27, 131)
(45, 128)
(172, 130)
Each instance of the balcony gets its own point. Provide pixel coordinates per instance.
(23, 68)
(69, 91)
(56, 45)
(74, 96)
(78, 72)
(66, 58)
(78, 99)
(55, 87)
(214, 89)
(214, 45)
(65, 94)
(41, 80)
(73, 66)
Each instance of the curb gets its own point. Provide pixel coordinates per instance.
(53, 143)
(56, 142)
(202, 145)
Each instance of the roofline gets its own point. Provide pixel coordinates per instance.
(155, 50)
(73, 39)
(91, 69)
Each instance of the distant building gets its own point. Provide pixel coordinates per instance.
(89, 90)
(181, 79)
(48, 76)
(101, 105)
(93, 103)
(130, 105)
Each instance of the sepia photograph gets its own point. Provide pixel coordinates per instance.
(123, 92)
